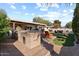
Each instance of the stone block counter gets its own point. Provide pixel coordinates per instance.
(30, 39)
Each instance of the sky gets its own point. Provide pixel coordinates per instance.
(49, 11)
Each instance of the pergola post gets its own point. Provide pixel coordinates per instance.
(14, 26)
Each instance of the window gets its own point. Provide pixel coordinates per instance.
(24, 40)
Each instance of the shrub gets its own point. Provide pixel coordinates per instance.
(4, 24)
(67, 41)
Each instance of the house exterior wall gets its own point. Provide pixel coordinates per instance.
(29, 25)
(62, 29)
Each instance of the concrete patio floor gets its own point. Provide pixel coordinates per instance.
(46, 49)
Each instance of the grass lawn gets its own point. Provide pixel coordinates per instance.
(58, 41)
(64, 40)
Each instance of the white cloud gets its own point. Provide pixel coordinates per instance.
(51, 15)
(42, 6)
(13, 7)
(26, 14)
(71, 4)
(32, 14)
(44, 9)
(16, 12)
(65, 11)
(71, 10)
(45, 6)
(56, 15)
(54, 5)
(38, 5)
(23, 7)
(64, 14)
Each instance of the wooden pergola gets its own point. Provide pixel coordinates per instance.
(23, 25)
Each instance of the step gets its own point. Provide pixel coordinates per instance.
(38, 51)
(21, 48)
(33, 51)
(43, 52)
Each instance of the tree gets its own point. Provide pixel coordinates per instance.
(69, 25)
(57, 24)
(75, 22)
(4, 24)
(41, 20)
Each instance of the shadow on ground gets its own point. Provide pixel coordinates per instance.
(69, 49)
(49, 47)
(9, 50)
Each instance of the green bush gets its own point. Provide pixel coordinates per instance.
(64, 40)
(4, 24)
(59, 35)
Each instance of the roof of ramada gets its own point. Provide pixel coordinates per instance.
(34, 23)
